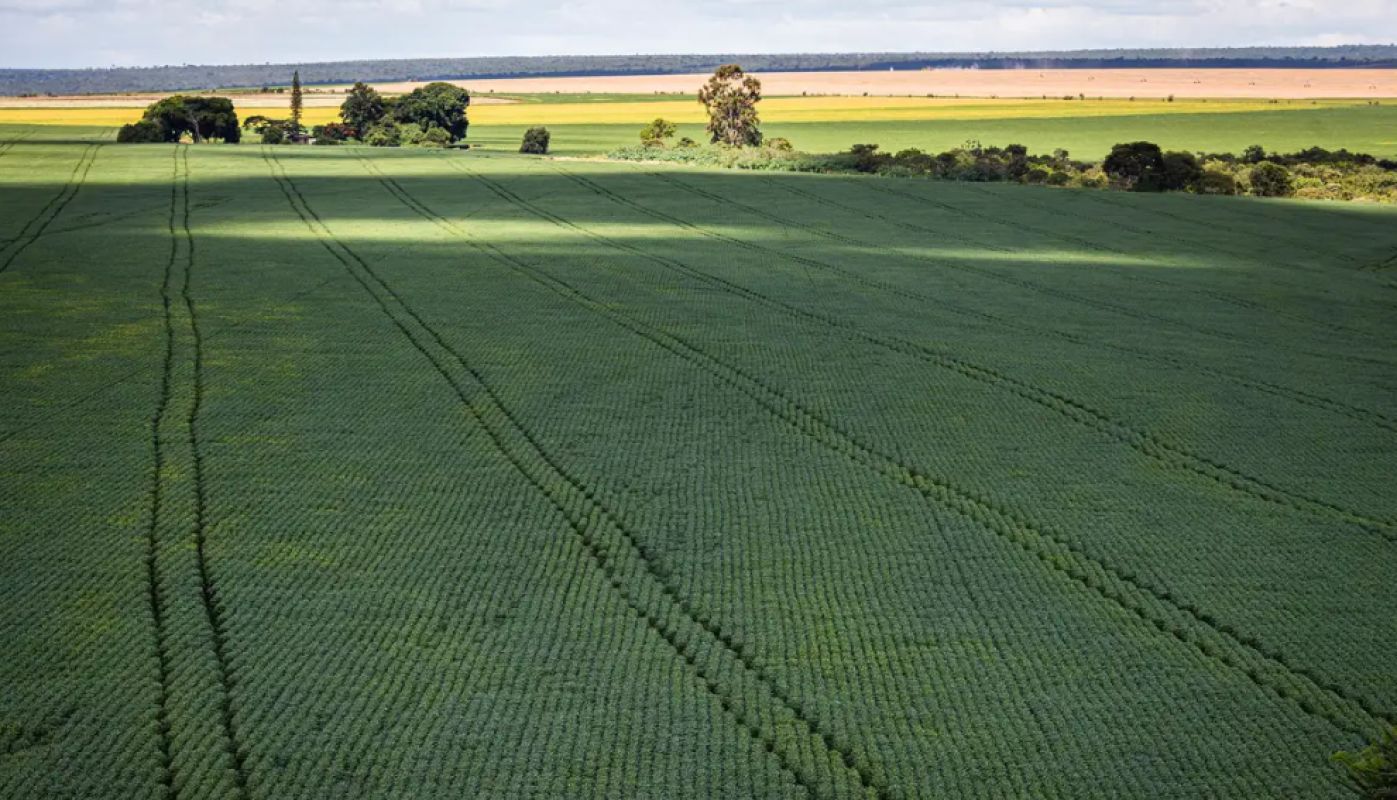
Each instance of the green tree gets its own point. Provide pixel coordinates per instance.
(140, 132)
(655, 134)
(1137, 166)
(535, 141)
(1271, 180)
(202, 118)
(1254, 154)
(436, 105)
(731, 97)
(296, 101)
(362, 108)
(382, 134)
(1181, 171)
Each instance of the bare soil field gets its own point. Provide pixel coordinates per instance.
(1210, 83)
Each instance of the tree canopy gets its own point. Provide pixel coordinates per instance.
(731, 98)
(362, 108)
(435, 105)
(203, 118)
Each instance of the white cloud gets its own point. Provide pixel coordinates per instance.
(52, 33)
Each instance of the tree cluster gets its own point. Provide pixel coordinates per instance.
(433, 115)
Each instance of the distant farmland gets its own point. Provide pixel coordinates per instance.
(349, 473)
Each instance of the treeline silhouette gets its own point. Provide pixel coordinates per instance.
(194, 77)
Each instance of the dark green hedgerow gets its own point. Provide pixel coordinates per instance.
(1136, 166)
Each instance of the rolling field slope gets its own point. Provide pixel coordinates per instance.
(343, 472)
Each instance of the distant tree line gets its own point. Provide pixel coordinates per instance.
(192, 77)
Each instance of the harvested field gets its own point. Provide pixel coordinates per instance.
(1211, 83)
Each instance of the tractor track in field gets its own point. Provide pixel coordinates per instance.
(590, 520)
(1144, 316)
(174, 302)
(1057, 552)
(1149, 444)
(208, 590)
(154, 578)
(9, 145)
(1304, 398)
(36, 225)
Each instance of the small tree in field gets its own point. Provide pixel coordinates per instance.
(296, 101)
(655, 134)
(535, 141)
(731, 97)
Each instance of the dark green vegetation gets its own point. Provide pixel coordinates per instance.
(174, 78)
(345, 472)
(1130, 166)
(199, 118)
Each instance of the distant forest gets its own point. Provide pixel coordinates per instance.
(172, 78)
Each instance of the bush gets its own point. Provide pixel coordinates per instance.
(1271, 180)
(410, 133)
(1255, 154)
(779, 143)
(142, 132)
(1136, 166)
(536, 141)
(655, 134)
(383, 134)
(331, 133)
(435, 137)
(1037, 175)
(273, 134)
(686, 142)
(1216, 182)
(1181, 171)
(1373, 770)
(866, 158)
(1058, 179)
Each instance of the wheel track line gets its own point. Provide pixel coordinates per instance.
(588, 518)
(1087, 301)
(1051, 548)
(213, 609)
(1304, 398)
(1144, 442)
(154, 578)
(10, 145)
(55, 206)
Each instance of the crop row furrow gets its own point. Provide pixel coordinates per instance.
(1149, 444)
(36, 225)
(1157, 607)
(753, 700)
(1292, 394)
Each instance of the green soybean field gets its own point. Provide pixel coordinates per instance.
(358, 473)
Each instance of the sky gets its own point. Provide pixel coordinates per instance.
(99, 33)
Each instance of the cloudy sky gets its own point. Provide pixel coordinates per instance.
(79, 33)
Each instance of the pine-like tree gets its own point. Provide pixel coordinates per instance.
(296, 101)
